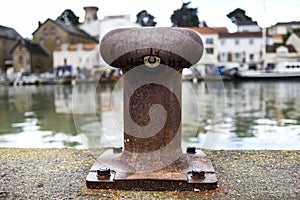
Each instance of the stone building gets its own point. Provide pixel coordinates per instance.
(30, 57)
(53, 33)
(8, 38)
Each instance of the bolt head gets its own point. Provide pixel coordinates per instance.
(103, 172)
(191, 150)
(198, 174)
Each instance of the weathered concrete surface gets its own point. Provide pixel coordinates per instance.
(61, 173)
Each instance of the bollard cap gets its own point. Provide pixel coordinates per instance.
(127, 47)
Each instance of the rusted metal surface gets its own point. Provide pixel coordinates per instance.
(140, 102)
(181, 175)
(176, 47)
(152, 159)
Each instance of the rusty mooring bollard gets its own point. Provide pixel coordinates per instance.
(152, 159)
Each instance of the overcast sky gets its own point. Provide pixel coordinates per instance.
(23, 15)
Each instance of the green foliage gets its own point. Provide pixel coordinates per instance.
(71, 144)
(185, 17)
(285, 37)
(296, 30)
(145, 19)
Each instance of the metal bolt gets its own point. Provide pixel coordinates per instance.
(191, 150)
(103, 173)
(152, 59)
(117, 149)
(198, 174)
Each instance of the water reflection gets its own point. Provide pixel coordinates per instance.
(254, 115)
(260, 115)
(93, 116)
(29, 117)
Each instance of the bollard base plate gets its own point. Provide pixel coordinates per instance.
(175, 177)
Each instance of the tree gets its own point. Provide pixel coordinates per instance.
(68, 17)
(238, 17)
(287, 35)
(185, 17)
(145, 19)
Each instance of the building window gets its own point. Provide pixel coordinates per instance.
(229, 57)
(237, 42)
(57, 41)
(270, 66)
(79, 47)
(209, 41)
(223, 56)
(223, 42)
(45, 31)
(251, 57)
(42, 41)
(21, 60)
(53, 31)
(209, 50)
(251, 41)
(237, 56)
(243, 57)
(64, 47)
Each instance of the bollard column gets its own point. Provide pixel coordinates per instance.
(147, 130)
(152, 60)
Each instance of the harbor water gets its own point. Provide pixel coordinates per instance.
(215, 115)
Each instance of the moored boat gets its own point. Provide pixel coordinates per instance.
(191, 74)
(283, 70)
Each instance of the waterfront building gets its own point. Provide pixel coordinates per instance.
(8, 38)
(98, 28)
(294, 39)
(82, 56)
(242, 47)
(210, 37)
(30, 57)
(53, 33)
(278, 53)
(282, 28)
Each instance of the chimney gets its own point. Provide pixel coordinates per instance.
(90, 14)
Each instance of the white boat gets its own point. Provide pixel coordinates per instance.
(191, 74)
(282, 70)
